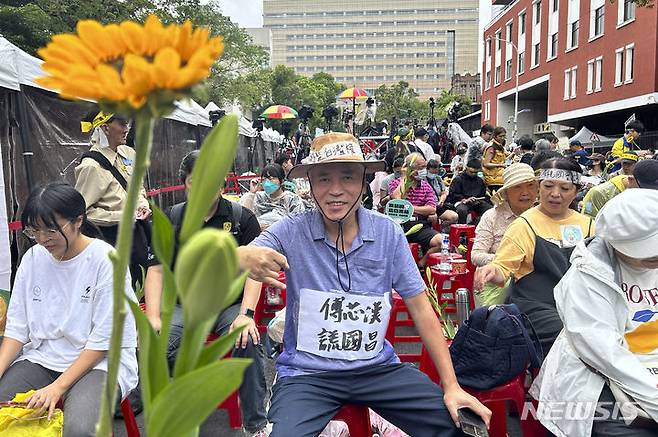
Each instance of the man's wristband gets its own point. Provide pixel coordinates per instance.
(249, 313)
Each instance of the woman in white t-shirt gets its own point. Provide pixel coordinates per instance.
(59, 319)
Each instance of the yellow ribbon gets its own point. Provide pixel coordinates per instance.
(100, 119)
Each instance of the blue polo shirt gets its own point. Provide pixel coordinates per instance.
(379, 261)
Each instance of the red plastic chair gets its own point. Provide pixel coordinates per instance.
(495, 400)
(400, 307)
(357, 418)
(415, 251)
(266, 308)
(447, 285)
(132, 430)
(457, 230)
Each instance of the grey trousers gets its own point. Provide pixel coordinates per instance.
(82, 402)
(303, 405)
(254, 388)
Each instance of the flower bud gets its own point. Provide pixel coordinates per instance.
(206, 267)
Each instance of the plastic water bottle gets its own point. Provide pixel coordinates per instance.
(462, 303)
(445, 266)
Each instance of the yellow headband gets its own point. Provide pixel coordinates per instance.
(101, 118)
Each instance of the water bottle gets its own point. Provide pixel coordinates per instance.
(445, 266)
(481, 175)
(462, 303)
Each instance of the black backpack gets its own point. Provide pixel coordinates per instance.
(176, 217)
(493, 346)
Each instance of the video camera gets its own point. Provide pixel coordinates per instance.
(305, 113)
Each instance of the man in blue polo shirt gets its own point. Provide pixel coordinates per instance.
(343, 263)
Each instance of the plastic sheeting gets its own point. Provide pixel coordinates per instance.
(17, 67)
(589, 138)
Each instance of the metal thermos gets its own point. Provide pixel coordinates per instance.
(463, 307)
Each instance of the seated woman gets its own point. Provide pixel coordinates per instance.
(536, 247)
(273, 203)
(608, 349)
(59, 320)
(517, 195)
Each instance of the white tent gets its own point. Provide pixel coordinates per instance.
(589, 138)
(19, 68)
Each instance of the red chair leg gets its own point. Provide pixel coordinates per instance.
(357, 418)
(129, 419)
(498, 424)
(232, 407)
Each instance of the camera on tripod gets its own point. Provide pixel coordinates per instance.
(305, 113)
(215, 116)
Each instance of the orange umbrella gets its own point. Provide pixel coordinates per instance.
(353, 93)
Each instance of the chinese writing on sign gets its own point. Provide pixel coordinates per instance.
(345, 341)
(334, 310)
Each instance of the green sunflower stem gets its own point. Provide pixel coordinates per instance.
(120, 260)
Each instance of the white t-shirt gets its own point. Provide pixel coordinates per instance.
(425, 148)
(640, 288)
(57, 309)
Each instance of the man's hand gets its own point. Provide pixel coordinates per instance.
(468, 200)
(45, 399)
(254, 185)
(143, 213)
(250, 330)
(263, 263)
(457, 398)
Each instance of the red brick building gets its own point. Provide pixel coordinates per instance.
(580, 63)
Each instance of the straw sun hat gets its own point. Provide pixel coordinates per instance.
(515, 174)
(334, 147)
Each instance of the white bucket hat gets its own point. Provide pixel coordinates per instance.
(516, 174)
(629, 222)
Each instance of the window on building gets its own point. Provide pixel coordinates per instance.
(509, 32)
(567, 84)
(574, 75)
(497, 41)
(487, 110)
(521, 63)
(535, 55)
(599, 18)
(619, 66)
(522, 23)
(590, 76)
(553, 46)
(508, 69)
(598, 65)
(629, 63)
(537, 12)
(626, 11)
(497, 76)
(555, 5)
(489, 47)
(573, 34)
(487, 80)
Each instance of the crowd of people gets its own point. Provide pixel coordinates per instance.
(570, 238)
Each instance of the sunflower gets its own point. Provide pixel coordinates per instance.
(128, 62)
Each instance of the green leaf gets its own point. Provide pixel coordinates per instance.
(150, 357)
(185, 403)
(210, 169)
(163, 236)
(218, 348)
(414, 229)
(168, 302)
(191, 345)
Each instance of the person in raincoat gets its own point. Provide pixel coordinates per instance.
(608, 302)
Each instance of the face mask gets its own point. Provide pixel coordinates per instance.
(432, 176)
(270, 187)
(421, 174)
(397, 174)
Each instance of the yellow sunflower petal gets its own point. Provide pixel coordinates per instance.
(110, 81)
(94, 36)
(166, 66)
(83, 82)
(77, 48)
(136, 101)
(136, 76)
(216, 46)
(156, 35)
(50, 82)
(133, 36)
(202, 58)
(114, 32)
(189, 76)
(183, 42)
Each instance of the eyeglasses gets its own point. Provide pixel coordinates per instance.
(32, 233)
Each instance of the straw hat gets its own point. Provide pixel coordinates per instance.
(335, 147)
(515, 174)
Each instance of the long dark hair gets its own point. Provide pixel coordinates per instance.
(57, 199)
(274, 170)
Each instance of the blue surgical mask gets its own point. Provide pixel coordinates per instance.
(270, 187)
(421, 174)
(432, 176)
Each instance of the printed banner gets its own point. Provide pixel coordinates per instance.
(342, 326)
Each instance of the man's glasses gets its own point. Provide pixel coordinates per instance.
(48, 234)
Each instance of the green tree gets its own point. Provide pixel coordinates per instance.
(446, 98)
(400, 101)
